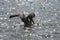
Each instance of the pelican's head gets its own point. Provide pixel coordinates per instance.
(32, 14)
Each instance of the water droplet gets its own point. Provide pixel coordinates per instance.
(49, 20)
(54, 30)
(7, 27)
(8, 13)
(55, 14)
(20, 4)
(12, 26)
(1, 18)
(30, 34)
(5, 18)
(1, 35)
(2, 24)
(13, 8)
(32, 8)
(2, 8)
(35, 24)
(40, 27)
(45, 21)
(52, 36)
(5, 0)
(9, 20)
(30, 0)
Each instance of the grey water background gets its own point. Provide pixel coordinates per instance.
(47, 20)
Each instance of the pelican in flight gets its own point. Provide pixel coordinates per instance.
(28, 21)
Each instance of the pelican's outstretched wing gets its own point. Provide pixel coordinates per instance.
(13, 16)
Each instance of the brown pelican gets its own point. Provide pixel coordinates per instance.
(28, 21)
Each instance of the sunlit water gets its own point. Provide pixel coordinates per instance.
(47, 20)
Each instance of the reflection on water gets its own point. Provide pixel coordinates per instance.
(47, 20)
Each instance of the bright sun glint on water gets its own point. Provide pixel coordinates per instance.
(47, 20)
